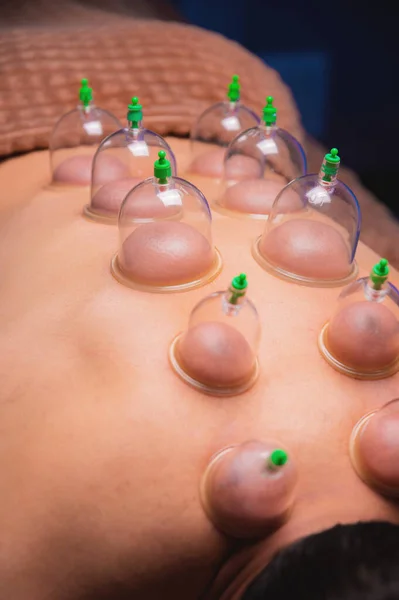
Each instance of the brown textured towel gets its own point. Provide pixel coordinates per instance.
(177, 71)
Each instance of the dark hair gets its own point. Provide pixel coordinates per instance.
(347, 562)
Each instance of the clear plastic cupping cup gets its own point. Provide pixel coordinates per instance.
(313, 230)
(217, 354)
(361, 339)
(214, 130)
(165, 234)
(258, 164)
(124, 159)
(75, 139)
(374, 446)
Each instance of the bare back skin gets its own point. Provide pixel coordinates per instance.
(102, 447)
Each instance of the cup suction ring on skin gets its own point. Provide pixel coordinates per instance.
(374, 449)
(249, 489)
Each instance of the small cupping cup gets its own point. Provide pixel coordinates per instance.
(75, 138)
(217, 354)
(165, 233)
(135, 148)
(361, 339)
(214, 129)
(249, 489)
(374, 449)
(313, 229)
(271, 157)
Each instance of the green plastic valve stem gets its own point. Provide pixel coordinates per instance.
(162, 168)
(330, 166)
(238, 288)
(379, 274)
(278, 458)
(134, 113)
(233, 93)
(269, 112)
(85, 93)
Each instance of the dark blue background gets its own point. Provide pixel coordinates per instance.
(342, 63)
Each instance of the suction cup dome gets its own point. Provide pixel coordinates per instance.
(75, 139)
(313, 230)
(362, 337)
(218, 352)
(258, 164)
(134, 148)
(165, 235)
(215, 128)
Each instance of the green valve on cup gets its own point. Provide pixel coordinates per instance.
(134, 113)
(85, 93)
(330, 166)
(269, 112)
(379, 274)
(238, 288)
(162, 168)
(234, 89)
(278, 458)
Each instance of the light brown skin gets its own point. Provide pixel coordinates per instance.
(216, 354)
(308, 248)
(166, 253)
(77, 170)
(144, 204)
(210, 164)
(376, 449)
(103, 447)
(256, 196)
(109, 197)
(364, 335)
